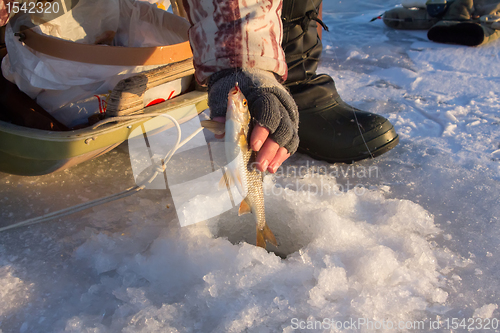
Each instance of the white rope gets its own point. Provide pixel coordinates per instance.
(74, 209)
(116, 196)
(124, 118)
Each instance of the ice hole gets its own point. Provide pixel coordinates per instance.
(286, 200)
(238, 229)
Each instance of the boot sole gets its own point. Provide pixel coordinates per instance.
(391, 139)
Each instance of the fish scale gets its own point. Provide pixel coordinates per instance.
(237, 132)
(255, 196)
(240, 169)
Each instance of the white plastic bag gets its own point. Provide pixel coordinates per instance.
(72, 91)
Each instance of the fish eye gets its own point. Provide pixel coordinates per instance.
(245, 103)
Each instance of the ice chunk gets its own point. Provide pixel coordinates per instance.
(486, 311)
(14, 292)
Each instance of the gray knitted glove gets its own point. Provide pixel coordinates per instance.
(270, 104)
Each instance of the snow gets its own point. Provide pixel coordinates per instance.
(485, 311)
(412, 235)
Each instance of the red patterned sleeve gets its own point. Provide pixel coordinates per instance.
(4, 11)
(235, 34)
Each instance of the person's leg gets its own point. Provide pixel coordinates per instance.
(329, 129)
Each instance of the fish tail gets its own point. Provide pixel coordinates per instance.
(265, 234)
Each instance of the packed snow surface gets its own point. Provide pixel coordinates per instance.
(407, 239)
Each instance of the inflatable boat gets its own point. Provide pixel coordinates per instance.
(33, 142)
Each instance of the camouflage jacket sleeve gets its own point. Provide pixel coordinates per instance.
(235, 34)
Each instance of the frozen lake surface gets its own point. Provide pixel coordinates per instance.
(410, 236)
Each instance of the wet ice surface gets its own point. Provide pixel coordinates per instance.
(416, 239)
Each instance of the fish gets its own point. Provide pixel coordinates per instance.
(240, 170)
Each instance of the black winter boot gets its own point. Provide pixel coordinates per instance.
(329, 129)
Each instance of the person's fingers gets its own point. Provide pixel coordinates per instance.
(219, 120)
(267, 154)
(258, 137)
(270, 155)
(279, 158)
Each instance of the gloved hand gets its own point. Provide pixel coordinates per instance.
(270, 104)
